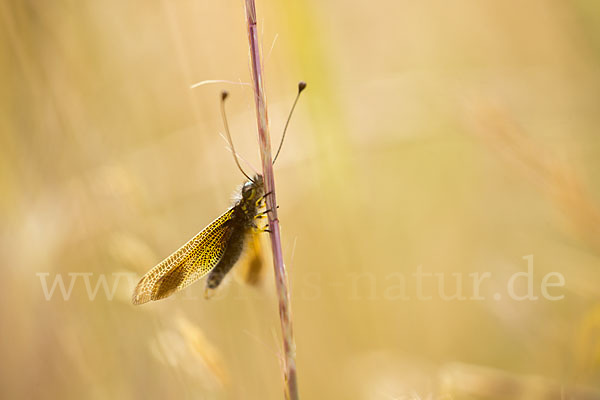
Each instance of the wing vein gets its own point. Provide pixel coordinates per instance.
(186, 265)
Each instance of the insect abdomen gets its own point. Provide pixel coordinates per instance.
(235, 246)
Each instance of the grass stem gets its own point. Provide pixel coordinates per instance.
(281, 281)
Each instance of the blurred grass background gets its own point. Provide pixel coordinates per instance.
(457, 136)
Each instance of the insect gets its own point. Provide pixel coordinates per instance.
(217, 248)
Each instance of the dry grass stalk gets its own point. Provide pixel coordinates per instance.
(285, 312)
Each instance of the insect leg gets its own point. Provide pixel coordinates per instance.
(262, 198)
(261, 214)
(265, 229)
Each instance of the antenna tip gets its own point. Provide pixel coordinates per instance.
(224, 94)
(301, 86)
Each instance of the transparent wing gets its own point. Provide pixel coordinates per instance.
(192, 261)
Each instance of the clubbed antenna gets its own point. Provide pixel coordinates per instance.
(301, 87)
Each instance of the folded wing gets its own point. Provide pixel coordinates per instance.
(192, 261)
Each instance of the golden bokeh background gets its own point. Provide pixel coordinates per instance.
(456, 137)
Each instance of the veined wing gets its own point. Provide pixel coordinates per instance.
(192, 261)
